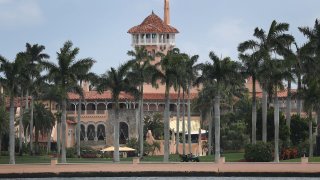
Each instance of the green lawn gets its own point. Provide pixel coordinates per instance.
(27, 159)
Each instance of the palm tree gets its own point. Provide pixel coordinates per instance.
(251, 64)
(191, 75)
(140, 71)
(83, 76)
(267, 43)
(64, 75)
(222, 73)
(10, 72)
(116, 81)
(4, 124)
(168, 76)
(34, 56)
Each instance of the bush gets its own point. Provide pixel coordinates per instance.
(260, 152)
(71, 152)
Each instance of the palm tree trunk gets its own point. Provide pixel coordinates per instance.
(264, 115)
(189, 119)
(210, 131)
(276, 126)
(254, 111)
(36, 139)
(183, 124)
(178, 122)
(63, 133)
(0, 143)
(299, 97)
(288, 110)
(310, 135)
(59, 137)
(31, 127)
(166, 125)
(20, 125)
(78, 127)
(217, 126)
(11, 132)
(141, 121)
(49, 141)
(116, 156)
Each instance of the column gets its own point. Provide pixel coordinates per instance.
(95, 132)
(85, 133)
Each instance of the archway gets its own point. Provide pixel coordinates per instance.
(101, 133)
(91, 132)
(123, 133)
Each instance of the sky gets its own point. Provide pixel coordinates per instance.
(99, 27)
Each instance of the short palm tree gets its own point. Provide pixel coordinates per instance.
(10, 84)
(220, 74)
(116, 81)
(64, 75)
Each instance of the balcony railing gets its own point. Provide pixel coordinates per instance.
(91, 111)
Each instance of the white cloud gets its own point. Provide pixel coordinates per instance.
(16, 13)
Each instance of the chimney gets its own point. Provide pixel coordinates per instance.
(166, 12)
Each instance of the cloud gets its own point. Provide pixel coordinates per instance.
(17, 13)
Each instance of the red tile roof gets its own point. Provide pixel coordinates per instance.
(153, 24)
(94, 95)
(281, 94)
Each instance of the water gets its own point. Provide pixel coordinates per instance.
(181, 178)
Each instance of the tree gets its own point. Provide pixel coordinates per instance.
(116, 81)
(34, 57)
(191, 75)
(140, 71)
(267, 43)
(64, 75)
(10, 72)
(222, 74)
(4, 124)
(251, 64)
(168, 76)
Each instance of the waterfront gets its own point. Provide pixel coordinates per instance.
(185, 178)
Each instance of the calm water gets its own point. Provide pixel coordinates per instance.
(183, 178)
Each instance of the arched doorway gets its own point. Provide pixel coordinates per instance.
(101, 132)
(124, 133)
(91, 132)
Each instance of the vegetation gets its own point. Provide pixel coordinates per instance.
(267, 59)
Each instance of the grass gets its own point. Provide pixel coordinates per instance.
(27, 159)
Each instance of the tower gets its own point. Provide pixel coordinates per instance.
(154, 33)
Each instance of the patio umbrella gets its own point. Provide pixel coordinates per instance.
(111, 148)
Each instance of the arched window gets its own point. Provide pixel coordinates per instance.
(123, 133)
(101, 132)
(82, 132)
(91, 132)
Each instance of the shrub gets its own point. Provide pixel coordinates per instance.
(71, 152)
(260, 152)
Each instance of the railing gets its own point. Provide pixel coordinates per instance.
(70, 112)
(101, 111)
(91, 111)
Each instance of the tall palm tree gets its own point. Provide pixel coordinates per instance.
(140, 73)
(34, 54)
(222, 73)
(116, 81)
(4, 123)
(83, 76)
(251, 64)
(64, 75)
(191, 75)
(168, 76)
(10, 84)
(267, 43)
